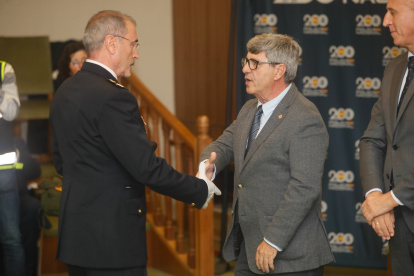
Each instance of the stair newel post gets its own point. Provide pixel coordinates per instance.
(204, 218)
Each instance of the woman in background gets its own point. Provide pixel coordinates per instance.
(71, 60)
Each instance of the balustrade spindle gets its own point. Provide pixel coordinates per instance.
(169, 230)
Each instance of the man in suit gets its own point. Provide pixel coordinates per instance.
(276, 225)
(101, 148)
(387, 148)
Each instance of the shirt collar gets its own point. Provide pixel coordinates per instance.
(104, 66)
(270, 106)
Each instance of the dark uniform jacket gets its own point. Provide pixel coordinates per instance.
(101, 148)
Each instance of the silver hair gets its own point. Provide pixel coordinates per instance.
(107, 22)
(278, 48)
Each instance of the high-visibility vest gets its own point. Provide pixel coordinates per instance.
(2, 67)
(6, 130)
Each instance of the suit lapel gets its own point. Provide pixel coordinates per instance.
(244, 132)
(274, 121)
(408, 94)
(395, 88)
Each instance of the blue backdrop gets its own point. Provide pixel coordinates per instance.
(344, 51)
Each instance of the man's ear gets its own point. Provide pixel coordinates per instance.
(111, 44)
(280, 70)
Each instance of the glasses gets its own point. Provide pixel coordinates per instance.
(78, 62)
(134, 44)
(254, 63)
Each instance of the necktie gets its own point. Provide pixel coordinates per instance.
(254, 128)
(408, 79)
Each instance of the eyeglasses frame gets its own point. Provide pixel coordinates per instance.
(245, 60)
(134, 44)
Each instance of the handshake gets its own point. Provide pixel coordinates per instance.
(212, 189)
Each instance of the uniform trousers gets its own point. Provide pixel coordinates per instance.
(401, 246)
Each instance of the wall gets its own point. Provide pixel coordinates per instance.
(63, 20)
(201, 47)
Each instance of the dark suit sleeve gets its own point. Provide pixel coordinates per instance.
(223, 147)
(373, 145)
(123, 131)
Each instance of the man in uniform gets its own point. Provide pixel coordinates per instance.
(102, 150)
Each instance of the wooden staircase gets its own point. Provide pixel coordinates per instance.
(179, 237)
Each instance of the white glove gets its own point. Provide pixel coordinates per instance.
(212, 189)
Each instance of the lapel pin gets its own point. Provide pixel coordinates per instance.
(280, 116)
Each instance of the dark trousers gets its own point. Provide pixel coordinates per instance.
(30, 229)
(401, 247)
(85, 271)
(10, 236)
(242, 267)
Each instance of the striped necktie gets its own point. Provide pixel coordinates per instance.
(254, 128)
(408, 79)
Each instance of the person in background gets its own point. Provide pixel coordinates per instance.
(30, 209)
(278, 144)
(10, 236)
(70, 62)
(387, 146)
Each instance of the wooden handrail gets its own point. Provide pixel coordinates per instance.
(180, 238)
(140, 89)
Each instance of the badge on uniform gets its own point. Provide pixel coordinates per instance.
(116, 83)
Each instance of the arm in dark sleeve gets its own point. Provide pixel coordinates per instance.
(372, 150)
(124, 133)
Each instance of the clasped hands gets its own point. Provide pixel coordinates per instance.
(378, 210)
(205, 172)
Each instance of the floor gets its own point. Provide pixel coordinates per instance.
(329, 271)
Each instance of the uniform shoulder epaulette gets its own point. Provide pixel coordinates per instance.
(116, 83)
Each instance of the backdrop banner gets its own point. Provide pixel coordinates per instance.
(344, 51)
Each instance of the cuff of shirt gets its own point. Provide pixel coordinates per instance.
(271, 244)
(214, 170)
(372, 190)
(396, 199)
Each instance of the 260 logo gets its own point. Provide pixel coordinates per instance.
(314, 20)
(392, 52)
(342, 51)
(339, 114)
(358, 208)
(341, 176)
(341, 238)
(315, 82)
(328, 1)
(363, 1)
(368, 20)
(357, 149)
(301, 1)
(265, 20)
(368, 83)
